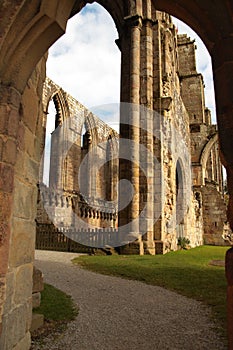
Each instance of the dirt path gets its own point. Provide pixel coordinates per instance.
(126, 315)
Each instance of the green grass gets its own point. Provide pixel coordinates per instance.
(187, 272)
(56, 305)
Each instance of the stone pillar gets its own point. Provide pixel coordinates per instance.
(222, 55)
(20, 140)
(17, 231)
(146, 187)
(9, 137)
(129, 125)
(229, 276)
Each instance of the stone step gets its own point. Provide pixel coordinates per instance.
(37, 321)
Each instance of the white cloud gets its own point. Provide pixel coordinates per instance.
(86, 60)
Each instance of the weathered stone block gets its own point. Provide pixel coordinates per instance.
(32, 170)
(22, 242)
(30, 108)
(9, 152)
(37, 321)
(25, 197)
(13, 123)
(15, 327)
(8, 303)
(29, 139)
(6, 206)
(1, 146)
(4, 247)
(20, 138)
(25, 343)
(6, 177)
(23, 284)
(38, 284)
(36, 299)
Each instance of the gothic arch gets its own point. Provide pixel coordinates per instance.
(206, 153)
(35, 28)
(28, 29)
(55, 93)
(180, 196)
(43, 24)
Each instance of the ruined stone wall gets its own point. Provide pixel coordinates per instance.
(182, 148)
(72, 117)
(78, 183)
(206, 164)
(214, 215)
(178, 216)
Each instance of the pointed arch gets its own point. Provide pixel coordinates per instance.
(180, 198)
(206, 153)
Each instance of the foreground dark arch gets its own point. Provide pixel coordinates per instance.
(27, 29)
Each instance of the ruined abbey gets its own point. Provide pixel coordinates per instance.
(173, 188)
(180, 181)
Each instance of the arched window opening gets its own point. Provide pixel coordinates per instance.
(50, 127)
(84, 137)
(179, 201)
(86, 63)
(213, 168)
(90, 59)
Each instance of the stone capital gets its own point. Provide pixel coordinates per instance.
(133, 21)
(149, 22)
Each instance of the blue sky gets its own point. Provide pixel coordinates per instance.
(86, 60)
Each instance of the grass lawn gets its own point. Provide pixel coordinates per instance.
(58, 309)
(56, 305)
(187, 272)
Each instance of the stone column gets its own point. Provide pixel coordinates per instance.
(229, 277)
(129, 127)
(9, 138)
(222, 55)
(146, 187)
(18, 208)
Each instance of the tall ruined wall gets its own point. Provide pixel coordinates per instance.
(73, 119)
(77, 182)
(206, 164)
(179, 216)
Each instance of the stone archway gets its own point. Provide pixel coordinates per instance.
(212, 143)
(28, 29)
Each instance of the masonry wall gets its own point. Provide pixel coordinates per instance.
(24, 141)
(214, 215)
(206, 164)
(178, 211)
(84, 155)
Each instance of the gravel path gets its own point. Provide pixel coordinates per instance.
(115, 313)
